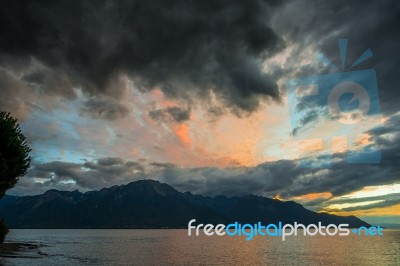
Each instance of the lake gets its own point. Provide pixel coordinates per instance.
(174, 247)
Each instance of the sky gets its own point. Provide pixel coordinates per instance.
(197, 94)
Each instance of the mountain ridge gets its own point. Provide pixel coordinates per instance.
(152, 204)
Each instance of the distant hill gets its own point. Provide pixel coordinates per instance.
(151, 204)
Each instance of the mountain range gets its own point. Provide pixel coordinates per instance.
(151, 204)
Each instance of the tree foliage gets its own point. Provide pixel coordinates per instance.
(14, 158)
(3, 231)
(14, 152)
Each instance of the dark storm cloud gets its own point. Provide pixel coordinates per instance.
(366, 24)
(171, 113)
(185, 48)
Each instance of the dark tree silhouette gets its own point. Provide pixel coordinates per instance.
(14, 157)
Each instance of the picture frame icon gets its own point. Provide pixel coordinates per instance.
(342, 104)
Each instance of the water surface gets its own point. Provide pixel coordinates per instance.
(174, 247)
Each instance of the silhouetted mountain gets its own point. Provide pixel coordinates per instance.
(151, 204)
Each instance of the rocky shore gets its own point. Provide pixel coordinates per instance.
(19, 250)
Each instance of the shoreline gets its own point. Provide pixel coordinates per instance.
(19, 250)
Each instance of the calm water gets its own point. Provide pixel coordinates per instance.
(174, 247)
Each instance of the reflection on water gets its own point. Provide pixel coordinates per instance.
(174, 247)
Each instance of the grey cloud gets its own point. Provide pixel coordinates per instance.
(314, 204)
(184, 48)
(114, 166)
(318, 26)
(171, 113)
(86, 176)
(179, 114)
(105, 108)
(357, 200)
(309, 116)
(188, 49)
(385, 203)
(60, 169)
(108, 161)
(11, 93)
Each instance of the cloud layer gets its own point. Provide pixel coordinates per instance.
(186, 49)
(282, 177)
